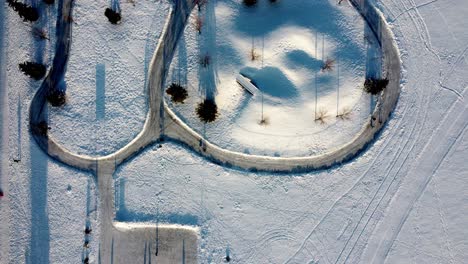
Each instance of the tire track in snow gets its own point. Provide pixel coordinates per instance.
(404, 161)
(378, 155)
(335, 204)
(391, 226)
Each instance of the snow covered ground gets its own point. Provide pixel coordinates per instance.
(106, 76)
(291, 41)
(402, 201)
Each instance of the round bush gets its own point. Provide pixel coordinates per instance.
(207, 111)
(177, 92)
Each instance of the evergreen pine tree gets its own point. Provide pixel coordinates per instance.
(34, 70)
(26, 12)
(113, 16)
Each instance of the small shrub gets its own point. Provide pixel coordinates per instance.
(375, 86)
(328, 65)
(250, 3)
(32, 69)
(40, 129)
(56, 98)
(253, 54)
(177, 92)
(26, 12)
(113, 16)
(207, 111)
(265, 121)
(205, 60)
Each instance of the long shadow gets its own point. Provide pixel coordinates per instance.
(100, 91)
(321, 15)
(280, 86)
(208, 75)
(39, 247)
(3, 100)
(39, 46)
(180, 74)
(123, 214)
(40, 234)
(115, 5)
(55, 80)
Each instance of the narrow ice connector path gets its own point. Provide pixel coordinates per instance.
(282, 48)
(106, 76)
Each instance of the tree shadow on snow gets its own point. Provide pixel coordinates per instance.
(123, 214)
(319, 16)
(271, 81)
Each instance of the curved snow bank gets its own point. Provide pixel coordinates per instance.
(177, 129)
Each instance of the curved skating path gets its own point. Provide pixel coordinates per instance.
(173, 127)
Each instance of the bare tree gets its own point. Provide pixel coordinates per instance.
(328, 64)
(198, 23)
(200, 3)
(345, 113)
(205, 60)
(322, 115)
(40, 33)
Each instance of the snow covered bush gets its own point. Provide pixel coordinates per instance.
(26, 12)
(32, 69)
(375, 86)
(207, 110)
(113, 16)
(177, 92)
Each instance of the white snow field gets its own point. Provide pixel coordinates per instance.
(402, 200)
(106, 76)
(291, 41)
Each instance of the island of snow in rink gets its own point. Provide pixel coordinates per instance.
(307, 59)
(106, 76)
